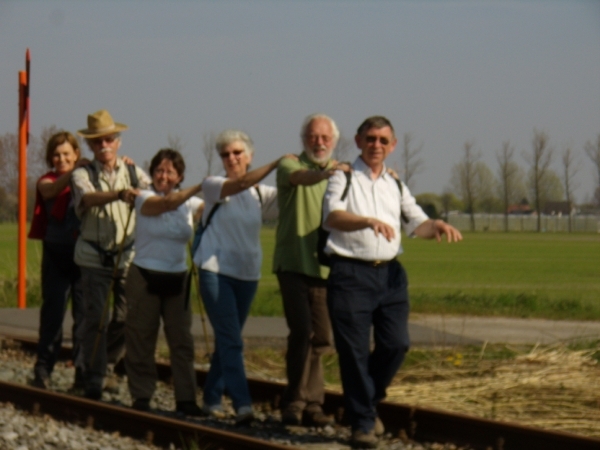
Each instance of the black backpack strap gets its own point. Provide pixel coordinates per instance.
(133, 177)
(93, 176)
(260, 199)
(399, 183)
(347, 188)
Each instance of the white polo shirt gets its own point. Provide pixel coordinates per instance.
(379, 198)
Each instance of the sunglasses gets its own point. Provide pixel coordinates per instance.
(107, 139)
(225, 155)
(373, 139)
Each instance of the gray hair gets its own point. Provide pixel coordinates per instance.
(308, 120)
(229, 136)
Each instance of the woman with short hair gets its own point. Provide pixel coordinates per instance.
(55, 223)
(157, 284)
(229, 258)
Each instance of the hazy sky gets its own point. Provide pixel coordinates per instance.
(447, 72)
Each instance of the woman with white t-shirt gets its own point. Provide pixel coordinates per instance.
(156, 284)
(230, 258)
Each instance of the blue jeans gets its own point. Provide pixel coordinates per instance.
(359, 296)
(227, 302)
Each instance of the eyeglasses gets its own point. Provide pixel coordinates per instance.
(374, 139)
(108, 139)
(225, 155)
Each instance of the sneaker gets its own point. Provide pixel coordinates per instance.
(378, 429)
(244, 415)
(292, 415)
(360, 439)
(189, 409)
(141, 404)
(40, 382)
(317, 419)
(214, 411)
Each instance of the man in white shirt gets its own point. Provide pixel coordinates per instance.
(367, 286)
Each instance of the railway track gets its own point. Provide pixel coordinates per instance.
(416, 423)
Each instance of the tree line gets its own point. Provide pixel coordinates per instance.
(473, 186)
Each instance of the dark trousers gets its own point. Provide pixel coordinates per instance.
(61, 279)
(305, 306)
(359, 296)
(103, 336)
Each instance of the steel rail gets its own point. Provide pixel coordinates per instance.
(422, 424)
(151, 428)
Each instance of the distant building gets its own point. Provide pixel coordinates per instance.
(559, 208)
(521, 208)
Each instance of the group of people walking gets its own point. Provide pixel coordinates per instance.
(109, 229)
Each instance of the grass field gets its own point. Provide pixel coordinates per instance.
(511, 274)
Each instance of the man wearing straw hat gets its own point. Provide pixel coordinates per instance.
(103, 193)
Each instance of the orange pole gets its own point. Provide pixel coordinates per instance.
(22, 240)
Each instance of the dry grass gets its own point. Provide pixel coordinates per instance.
(551, 387)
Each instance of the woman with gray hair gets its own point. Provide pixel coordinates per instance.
(229, 257)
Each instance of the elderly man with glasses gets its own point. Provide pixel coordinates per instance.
(103, 193)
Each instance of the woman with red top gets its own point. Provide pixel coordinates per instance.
(55, 223)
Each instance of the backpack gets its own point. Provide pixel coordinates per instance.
(95, 176)
(201, 228)
(323, 234)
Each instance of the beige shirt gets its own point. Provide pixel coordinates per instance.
(104, 225)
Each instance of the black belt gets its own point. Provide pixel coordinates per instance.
(362, 262)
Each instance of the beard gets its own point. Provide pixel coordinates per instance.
(310, 152)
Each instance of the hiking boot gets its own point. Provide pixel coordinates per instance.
(141, 404)
(361, 439)
(244, 415)
(189, 408)
(214, 411)
(292, 415)
(378, 429)
(317, 418)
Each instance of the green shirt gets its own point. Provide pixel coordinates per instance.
(300, 209)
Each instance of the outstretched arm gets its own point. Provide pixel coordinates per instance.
(347, 221)
(435, 229)
(249, 179)
(156, 205)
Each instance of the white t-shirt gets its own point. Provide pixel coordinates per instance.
(161, 241)
(230, 244)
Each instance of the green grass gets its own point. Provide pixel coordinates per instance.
(543, 275)
(511, 274)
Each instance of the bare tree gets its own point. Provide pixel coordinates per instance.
(508, 172)
(570, 169)
(539, 161)
(209, 151)
(342, 150)
(464, 179)
(411, 162)
(593, 151)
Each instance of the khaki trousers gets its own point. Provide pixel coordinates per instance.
(150, 296)
(305, 306)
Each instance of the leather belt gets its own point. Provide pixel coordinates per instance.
(362, 262)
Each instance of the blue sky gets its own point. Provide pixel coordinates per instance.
(447, 72)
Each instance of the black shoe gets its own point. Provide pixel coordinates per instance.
(94, 393)
(292, 415)
(189, 409)
(41, 382)
(141, 404)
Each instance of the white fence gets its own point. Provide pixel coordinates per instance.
(552, 224)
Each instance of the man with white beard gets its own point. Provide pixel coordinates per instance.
(301, 185)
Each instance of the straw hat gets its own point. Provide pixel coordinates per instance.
(101, 123)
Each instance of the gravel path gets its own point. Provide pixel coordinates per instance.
(22, 431)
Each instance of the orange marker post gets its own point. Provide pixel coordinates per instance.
(22, 216)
